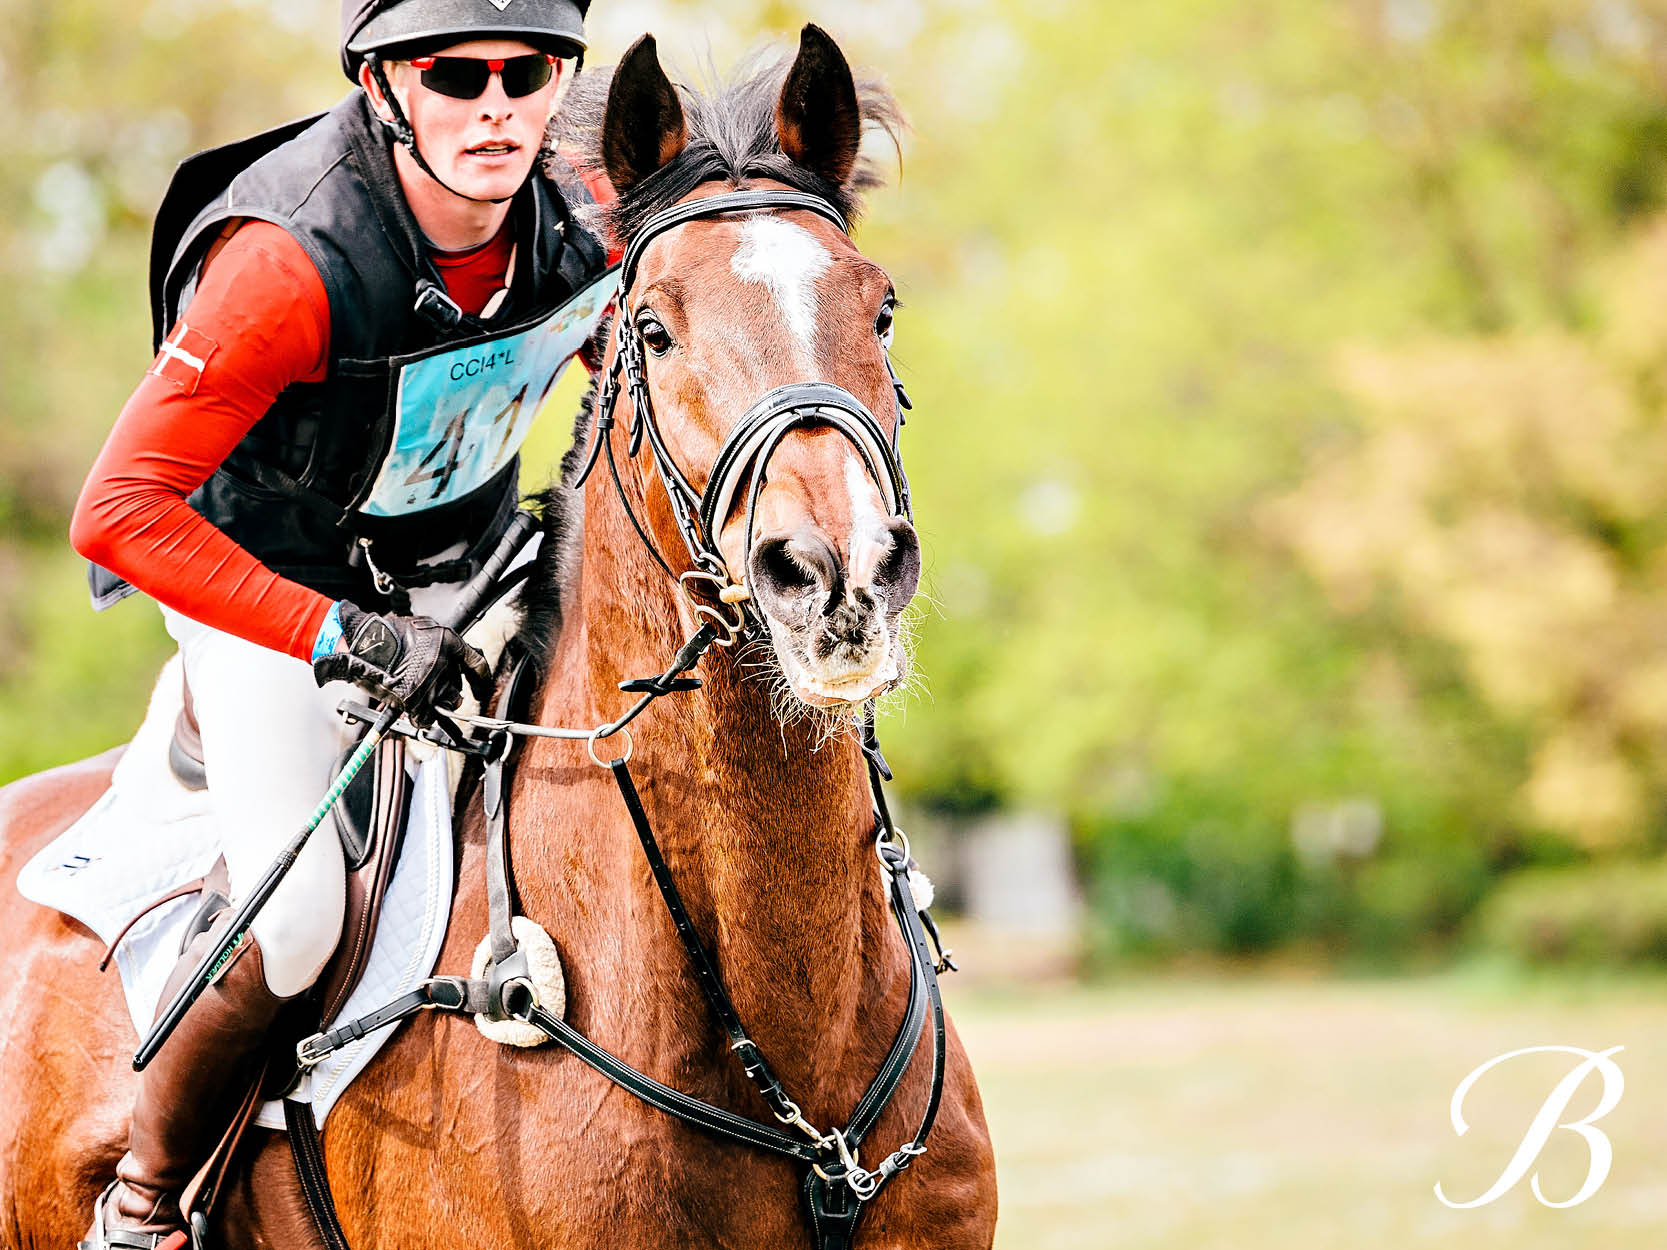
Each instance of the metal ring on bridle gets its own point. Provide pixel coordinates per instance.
(847, 1159)
(732, 626)
(885, 836)
(590, 745)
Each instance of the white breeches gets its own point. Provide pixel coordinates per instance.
(271, 740)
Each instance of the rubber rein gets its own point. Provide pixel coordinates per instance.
(835, 1186)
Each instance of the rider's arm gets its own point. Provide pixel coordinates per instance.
(258, 322)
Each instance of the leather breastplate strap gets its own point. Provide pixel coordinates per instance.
(835, 1187)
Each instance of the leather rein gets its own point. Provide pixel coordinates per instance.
(835, 1186)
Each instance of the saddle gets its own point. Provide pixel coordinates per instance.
(369, 820)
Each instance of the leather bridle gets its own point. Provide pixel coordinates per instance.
(753, 440)
(834, 1185)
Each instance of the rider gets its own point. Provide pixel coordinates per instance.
(362, 311)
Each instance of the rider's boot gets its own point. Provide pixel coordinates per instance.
(188, 1097)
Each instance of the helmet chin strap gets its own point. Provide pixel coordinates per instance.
(402, 130)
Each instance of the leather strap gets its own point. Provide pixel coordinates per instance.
(706, 973)
(190, 887)
(308, 1151)
(500, 905)
(204, 1188)
(712, 206)
(833, 1210)
(507, 960)
(689, 1110)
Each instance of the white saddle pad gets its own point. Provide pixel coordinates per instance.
(148, 834)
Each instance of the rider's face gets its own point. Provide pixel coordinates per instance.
(483, 147)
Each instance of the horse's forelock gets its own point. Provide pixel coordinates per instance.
(732, 137)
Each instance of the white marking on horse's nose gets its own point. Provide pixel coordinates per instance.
(788, 259)
(870, 539)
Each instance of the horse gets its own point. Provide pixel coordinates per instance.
(757, 783)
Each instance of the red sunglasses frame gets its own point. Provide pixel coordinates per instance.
(494, 65)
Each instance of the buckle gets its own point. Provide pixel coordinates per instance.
(312, 1051)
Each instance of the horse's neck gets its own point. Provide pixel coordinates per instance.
(767, 835)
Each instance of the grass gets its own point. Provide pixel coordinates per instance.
(1224, 1111)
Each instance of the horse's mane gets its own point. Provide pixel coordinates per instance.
(732, 138)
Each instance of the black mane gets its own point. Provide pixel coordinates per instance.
(732, 139)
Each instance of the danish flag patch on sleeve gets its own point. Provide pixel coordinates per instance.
(183, 357)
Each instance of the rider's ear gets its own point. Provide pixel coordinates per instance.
(643, 127)
(817, 118)
(373, 89)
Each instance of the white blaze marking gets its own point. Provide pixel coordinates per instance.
(868, 527)
(787, 259)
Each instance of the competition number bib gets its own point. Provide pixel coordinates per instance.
(461, 415)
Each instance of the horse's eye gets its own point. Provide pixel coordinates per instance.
(654, 335)
(883, 323)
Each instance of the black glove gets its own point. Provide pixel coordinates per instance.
(413, 662)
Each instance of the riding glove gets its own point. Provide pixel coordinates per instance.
(413, 662)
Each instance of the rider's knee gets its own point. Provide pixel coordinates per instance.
(300, 926)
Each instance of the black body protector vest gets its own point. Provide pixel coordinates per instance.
(410, 445)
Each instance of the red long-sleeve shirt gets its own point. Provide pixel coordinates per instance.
(259, 322)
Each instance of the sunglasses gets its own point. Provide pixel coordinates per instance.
(465, 77)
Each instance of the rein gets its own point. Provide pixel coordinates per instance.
(835, 1185)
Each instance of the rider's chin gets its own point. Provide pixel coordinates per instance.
(488, 175)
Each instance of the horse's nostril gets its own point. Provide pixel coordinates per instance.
(897, 576)
(786, 569)
(775, 565)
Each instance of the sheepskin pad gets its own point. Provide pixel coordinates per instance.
(544, 962)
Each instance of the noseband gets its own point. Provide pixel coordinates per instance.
(752, 441)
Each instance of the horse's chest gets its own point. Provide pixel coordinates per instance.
(594, 1184)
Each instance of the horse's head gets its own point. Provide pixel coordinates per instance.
(730, 307)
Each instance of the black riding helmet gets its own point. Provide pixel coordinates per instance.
(556, 26)
(373, 30)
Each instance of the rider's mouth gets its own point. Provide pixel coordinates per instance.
(497, 148)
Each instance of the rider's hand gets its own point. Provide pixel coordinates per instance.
(413, 662)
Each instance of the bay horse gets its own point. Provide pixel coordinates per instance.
(756, 784)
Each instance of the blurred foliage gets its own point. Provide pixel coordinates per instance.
(1600, 914)
(1509, 495)
(1287, 435)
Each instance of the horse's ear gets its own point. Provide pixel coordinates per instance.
(643, 127)
(818, 119)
